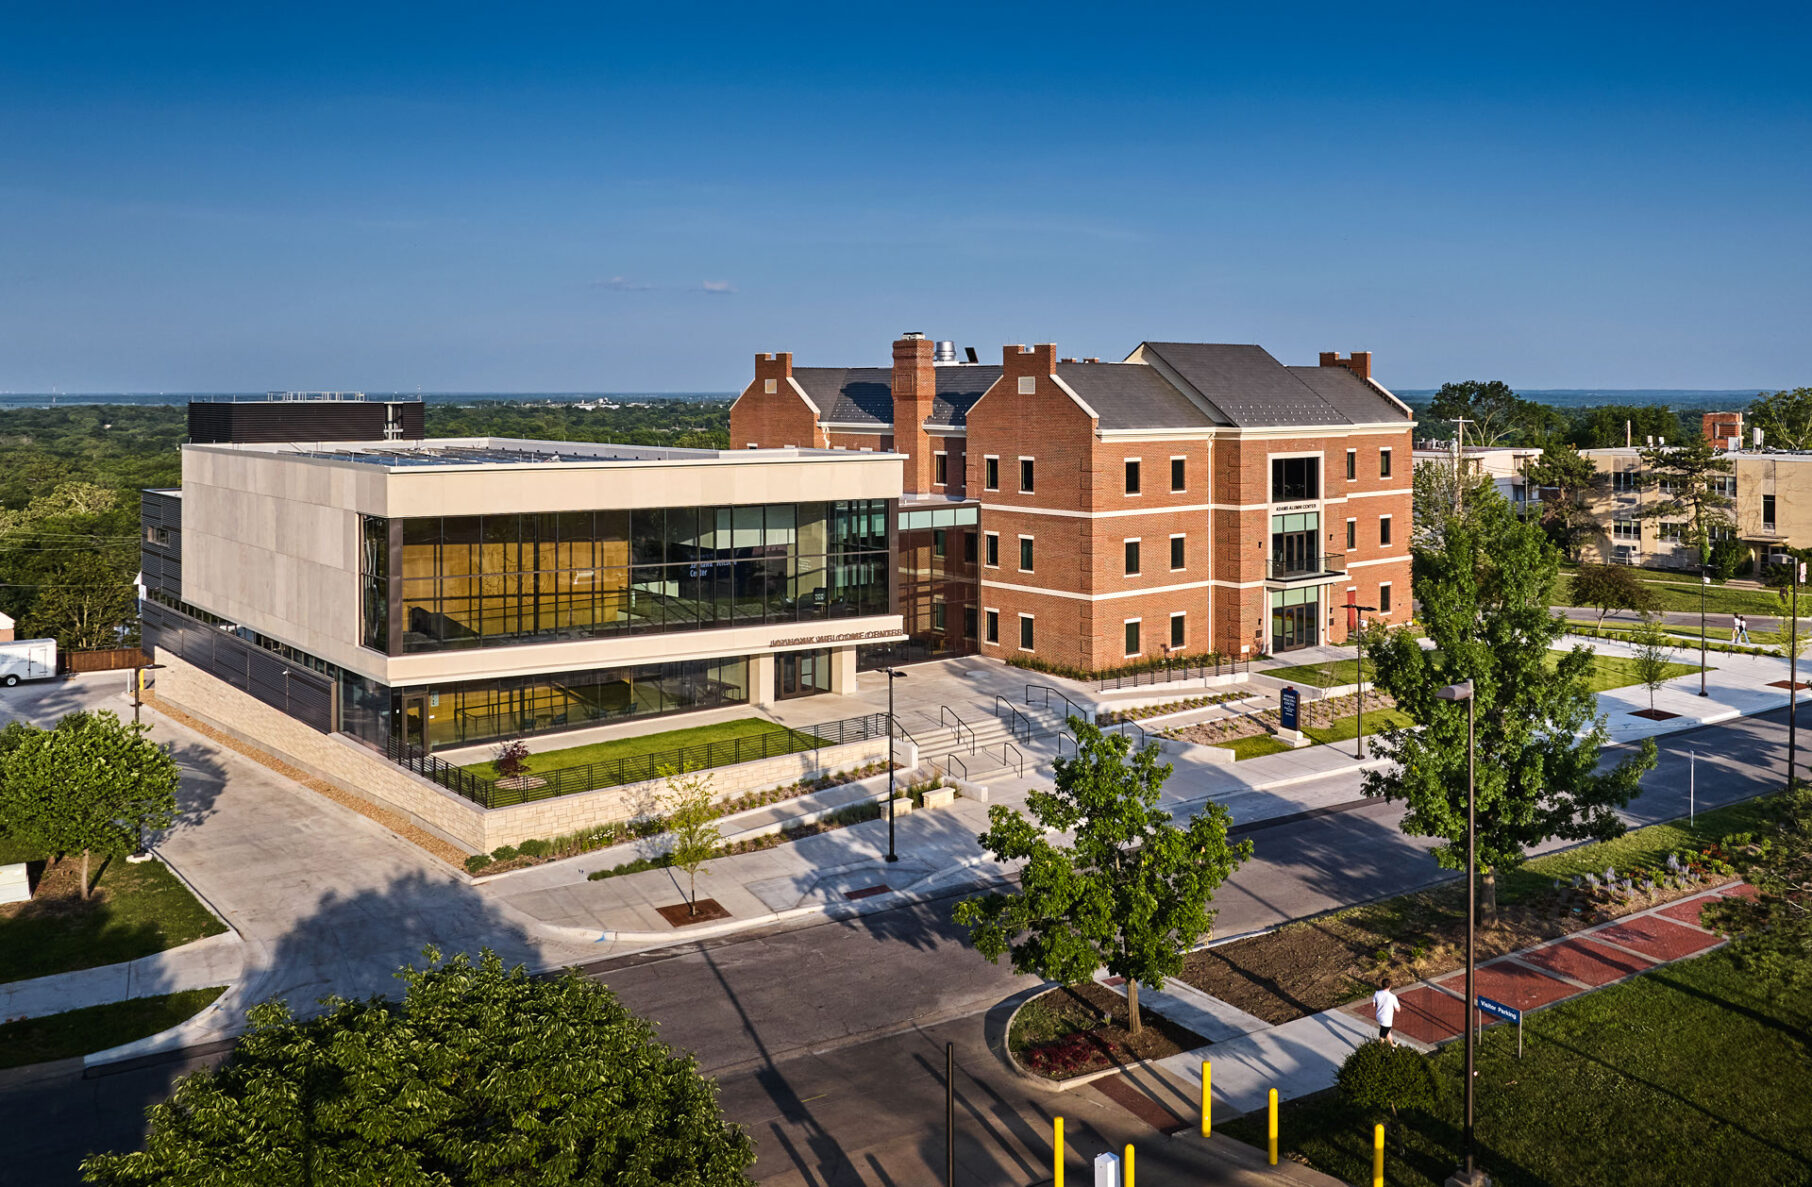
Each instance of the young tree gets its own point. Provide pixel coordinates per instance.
(479, 1075)
(1652, 650)
(1690, 478)
(1729, 557)
(1493, 411)
(1785, 418)
(1611, 587)
(1566, 481)
(1485, 607)
(1130, 893)
(693, 836)
(94, 784)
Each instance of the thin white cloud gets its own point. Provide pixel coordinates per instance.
(622, 284)
(719, 286)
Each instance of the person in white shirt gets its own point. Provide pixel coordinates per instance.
(1385, 1006)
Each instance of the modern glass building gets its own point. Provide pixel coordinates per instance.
(448, 593)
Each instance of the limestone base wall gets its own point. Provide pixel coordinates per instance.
(368, 776)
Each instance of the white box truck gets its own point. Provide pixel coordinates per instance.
(27, 659)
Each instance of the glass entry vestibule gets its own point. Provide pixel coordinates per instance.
(1294, 618)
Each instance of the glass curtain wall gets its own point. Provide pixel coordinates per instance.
(494, 580)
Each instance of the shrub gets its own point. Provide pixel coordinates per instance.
(1380, 1078)
(535, 848)
(503, 853)
(1729, 556)
(476, 862)
(512, 758)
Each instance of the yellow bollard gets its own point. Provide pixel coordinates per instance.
(1127, 1180)
(1207, 1098)
(1057, 1152)
(1378, 1156)
(1271, 1126)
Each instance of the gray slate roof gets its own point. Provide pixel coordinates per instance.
(1132, 396)
(1249, 388)
(864, 395)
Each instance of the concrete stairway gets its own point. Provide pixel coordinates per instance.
(985, 745)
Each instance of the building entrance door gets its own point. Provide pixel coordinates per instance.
(1293, 626)
(414, 729)
(801, 673)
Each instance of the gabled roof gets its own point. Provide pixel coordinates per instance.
(1131, 396)
(1248, 388)
(864, 395)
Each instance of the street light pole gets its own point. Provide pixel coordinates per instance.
(892, 675)
(1799, 575)
(1359, 708)
(1470, 1175)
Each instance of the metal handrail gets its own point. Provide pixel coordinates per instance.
(1001, 702)
(1071, 739)
(1047, 690)
(1120, 728)
(900, 730)
(961, 765)
(1018, 759)
(945, 711)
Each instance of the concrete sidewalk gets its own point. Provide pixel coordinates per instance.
(215, 960)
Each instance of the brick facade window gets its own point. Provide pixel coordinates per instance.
(1352, 465)
(940, 469)
(990, 473)
(1132, 636)
(1025, 554)
(1132, 476)
(1384, 463)
(992, 553)
(993, 623)
(1352, 534)
(1179, 474)
(1294, 479)
(1178, 635)
(969, 546)
(1384, 531)
(1025, 632)
(1178, 559)
(1384, 607)
(1132, 558)
(1025, 476)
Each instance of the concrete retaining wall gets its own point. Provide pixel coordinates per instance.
(362, 773)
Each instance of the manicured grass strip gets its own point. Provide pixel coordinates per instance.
(1682, 596)
(1345, 729)
(1690, 1074)
(1616, 671)
(1647, 846)
(619, 748)
(1327, 675)
(1255, 746)
(96, 1028)
(145, 909)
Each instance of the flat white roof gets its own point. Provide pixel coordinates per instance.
(490, 453)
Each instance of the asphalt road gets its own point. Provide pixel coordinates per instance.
(827, 1039)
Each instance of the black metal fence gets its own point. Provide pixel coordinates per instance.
(1164, 675)
(523, 789)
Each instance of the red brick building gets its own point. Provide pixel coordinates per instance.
(1194, 497)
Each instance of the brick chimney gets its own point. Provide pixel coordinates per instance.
(1723, 429)
(1360, 363)
(1037, 361)
(778, 367)
(914, 385)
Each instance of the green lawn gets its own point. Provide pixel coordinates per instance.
(693, 736)
(1255, 746)
(1684, 597)
(1616, 671)
(96, 1028)
(1328, 675)
(1689, 635)
(137, 910)
(1690, 1074)
(1345, 729)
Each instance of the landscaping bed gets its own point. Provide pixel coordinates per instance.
(134, 910)
(1691, 1074)
(1318, 964)
(1250, 735)
(96, 1028)
(854, 814)
(698, 736)
(1141, 712)
(1073, 1030)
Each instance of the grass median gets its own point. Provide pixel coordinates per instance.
(96, 1028)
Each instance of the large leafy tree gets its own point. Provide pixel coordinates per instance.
(1131, 893)
(1439, 487)
(1611, 587)
(1785, 418)
(1484, 597)
(94, 784)
(1565, 481)
(67, 561)
(480, 1075)
(1607, 425)
(1690, 479)
(1493, 411)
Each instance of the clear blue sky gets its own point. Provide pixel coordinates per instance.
(527, 197)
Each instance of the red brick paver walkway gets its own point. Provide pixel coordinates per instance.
(1555, 971)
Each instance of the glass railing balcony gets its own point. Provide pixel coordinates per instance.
(1297, 566)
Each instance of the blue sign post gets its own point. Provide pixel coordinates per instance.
(1508, 1014)
(1288, 702)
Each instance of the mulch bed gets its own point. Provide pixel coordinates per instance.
(1787, 684)
(1320, 964)
(1077, 1029)
(704, 911)
(1313, 713)
(1653, 714)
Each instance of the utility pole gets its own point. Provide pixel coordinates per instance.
(1459, 450)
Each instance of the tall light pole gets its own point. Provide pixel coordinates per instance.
(892, 675)
(1799, 575)
(1704, 580)
(1358, 628)
(1469, 1175)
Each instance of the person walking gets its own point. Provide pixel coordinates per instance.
(1385, 1005)
(1736, 626)
(1742, 622)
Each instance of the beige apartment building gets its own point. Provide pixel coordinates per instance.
(1771, 510)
